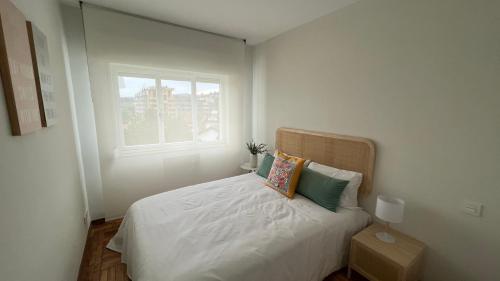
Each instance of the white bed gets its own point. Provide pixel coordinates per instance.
(239, 229)
(233, 229)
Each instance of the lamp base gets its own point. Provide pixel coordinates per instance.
(386, 237)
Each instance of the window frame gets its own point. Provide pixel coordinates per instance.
(159, 74)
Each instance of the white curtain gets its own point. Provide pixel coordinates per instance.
(115, 38)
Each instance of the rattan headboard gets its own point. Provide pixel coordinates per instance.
(343, 152)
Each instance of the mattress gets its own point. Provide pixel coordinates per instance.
(233, 229)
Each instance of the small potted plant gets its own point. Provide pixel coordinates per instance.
(255, 149)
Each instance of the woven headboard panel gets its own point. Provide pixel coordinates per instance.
(343, 152)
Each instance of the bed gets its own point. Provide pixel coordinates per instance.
(238, 229)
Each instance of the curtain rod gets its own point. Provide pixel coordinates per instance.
(159, 21)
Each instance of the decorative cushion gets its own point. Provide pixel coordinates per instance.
(349, 197)
(285, 173)
(321, 189)
(265, 166)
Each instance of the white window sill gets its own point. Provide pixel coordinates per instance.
(174, 149)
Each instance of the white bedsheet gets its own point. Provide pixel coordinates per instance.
(233, 229)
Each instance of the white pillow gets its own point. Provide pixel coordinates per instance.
(349, 197)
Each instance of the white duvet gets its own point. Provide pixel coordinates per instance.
(233, 229)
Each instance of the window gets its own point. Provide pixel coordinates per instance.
(159, 108)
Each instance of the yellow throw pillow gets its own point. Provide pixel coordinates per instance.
(284, 174)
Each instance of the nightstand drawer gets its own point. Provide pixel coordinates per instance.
(372, 266)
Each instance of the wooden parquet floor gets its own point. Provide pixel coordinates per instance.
(101, 264)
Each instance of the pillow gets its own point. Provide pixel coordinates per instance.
(349, 197)
(265, 165)
(321, 189)
(285, 173)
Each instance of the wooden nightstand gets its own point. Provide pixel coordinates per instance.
(380, 261)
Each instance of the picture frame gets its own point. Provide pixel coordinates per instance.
(43, 74)
(16, 71)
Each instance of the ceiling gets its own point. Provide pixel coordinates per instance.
(254, 20)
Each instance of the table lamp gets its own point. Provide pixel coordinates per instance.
(390, 210)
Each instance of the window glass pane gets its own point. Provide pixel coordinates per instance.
(208, 112)
(177, 108)
(139, 110)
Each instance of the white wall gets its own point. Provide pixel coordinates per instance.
(422, 79)
(42, 234)
(84, 108)
(116, 38)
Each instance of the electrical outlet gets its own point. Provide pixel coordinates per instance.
(473, 208)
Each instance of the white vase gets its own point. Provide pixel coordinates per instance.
(253, 160)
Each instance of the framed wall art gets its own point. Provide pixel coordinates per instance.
(16, 69)
(43, 74)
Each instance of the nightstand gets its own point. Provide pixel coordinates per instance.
(246, 166)
(380, 261)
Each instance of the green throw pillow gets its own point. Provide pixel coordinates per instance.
(265, 166)
(323, 190)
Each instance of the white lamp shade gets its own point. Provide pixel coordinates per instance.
(390, 209)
